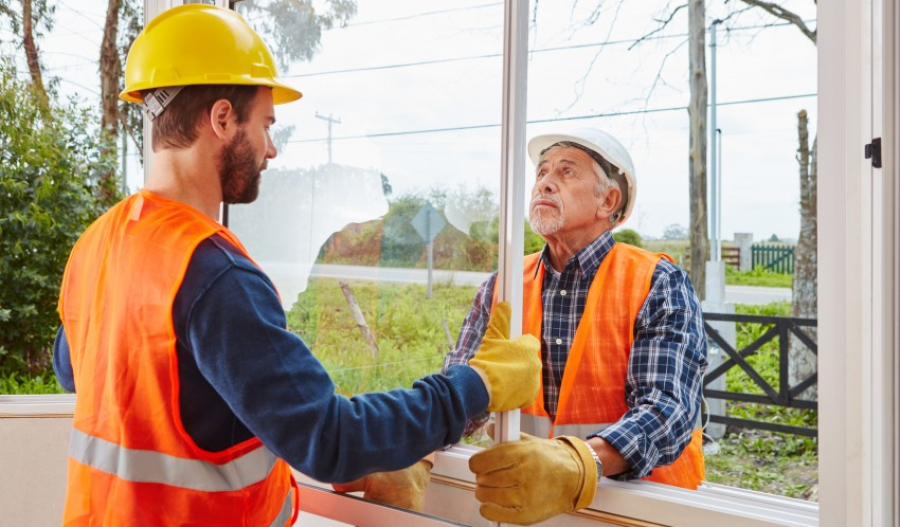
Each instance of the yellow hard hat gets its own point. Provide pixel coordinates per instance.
(196, 44)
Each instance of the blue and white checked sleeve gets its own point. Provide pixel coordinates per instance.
(470, 334)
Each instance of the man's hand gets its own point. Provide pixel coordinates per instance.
(511, 368)
(530, 480)
(401, 488)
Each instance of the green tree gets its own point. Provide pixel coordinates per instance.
(49, 179)
(629, 236)
(533, 241)
(675, 232)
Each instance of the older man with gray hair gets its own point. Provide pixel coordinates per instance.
(623, 351)
(622, 345)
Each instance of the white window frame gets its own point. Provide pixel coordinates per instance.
(859, 303)
(857, 259)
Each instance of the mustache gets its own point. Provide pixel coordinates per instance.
(548, 197)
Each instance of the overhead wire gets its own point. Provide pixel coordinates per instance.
(534, 51)
(422, 15)
(552, 120)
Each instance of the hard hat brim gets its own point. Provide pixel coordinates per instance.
(281, 93)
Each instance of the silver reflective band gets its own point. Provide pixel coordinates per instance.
(285, 515)
(147, 466)
(155, 101)
(540, 427)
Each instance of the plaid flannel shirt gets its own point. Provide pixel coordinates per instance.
(666, 366)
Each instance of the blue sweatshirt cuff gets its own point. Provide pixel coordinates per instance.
(466, 381)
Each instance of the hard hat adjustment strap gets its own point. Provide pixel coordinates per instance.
(155, 101)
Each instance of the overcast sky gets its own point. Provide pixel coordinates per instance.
(417, 89)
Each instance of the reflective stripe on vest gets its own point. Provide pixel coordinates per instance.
(285, 515)
(147, 466)
(542, 427)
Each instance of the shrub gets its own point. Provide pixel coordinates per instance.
(50, 164)
(629, 236)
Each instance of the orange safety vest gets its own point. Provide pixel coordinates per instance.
(131, 462)
(592, 395)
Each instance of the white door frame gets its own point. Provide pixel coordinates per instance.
(857, 264)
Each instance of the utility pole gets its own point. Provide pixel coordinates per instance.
(330, 121)
(715, 180)
(714, 290)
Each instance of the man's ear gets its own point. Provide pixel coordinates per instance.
(222, 119)
(610, 204)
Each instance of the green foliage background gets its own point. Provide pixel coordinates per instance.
(629, 236)
(408, 326)
(50, 161)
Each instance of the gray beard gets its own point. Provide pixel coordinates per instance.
(547, 226)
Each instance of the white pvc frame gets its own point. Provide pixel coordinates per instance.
(857, 264)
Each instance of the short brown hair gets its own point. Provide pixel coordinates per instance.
(177, 126)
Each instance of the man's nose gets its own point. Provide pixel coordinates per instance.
(547, 184)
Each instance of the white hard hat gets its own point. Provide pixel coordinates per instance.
(604, 145)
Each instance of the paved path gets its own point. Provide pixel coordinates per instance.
(740, 294)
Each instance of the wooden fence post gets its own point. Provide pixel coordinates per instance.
(367, 334)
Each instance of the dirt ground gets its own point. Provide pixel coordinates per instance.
(764, 462)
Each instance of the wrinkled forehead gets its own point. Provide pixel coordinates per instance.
(607, 167)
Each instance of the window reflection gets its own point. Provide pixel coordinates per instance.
(388, 167)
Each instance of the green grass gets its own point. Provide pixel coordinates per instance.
(408, 327)
(18, 384)
(750, 460)
(674, 248)
(758, 277)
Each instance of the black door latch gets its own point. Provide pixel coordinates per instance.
(873, 152)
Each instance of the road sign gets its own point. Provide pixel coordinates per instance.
(428, 223)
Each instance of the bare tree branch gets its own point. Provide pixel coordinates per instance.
(659, 77)
(662, 25)
(788, 16)
(582, 82)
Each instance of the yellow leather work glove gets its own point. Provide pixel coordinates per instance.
(401, 488)
(530, 480)
(512, 367)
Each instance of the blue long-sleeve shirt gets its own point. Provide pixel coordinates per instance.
(665, 369)
(242, 374)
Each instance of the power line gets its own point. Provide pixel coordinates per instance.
(554, 120)
(83, 87)
(425, 14)
(535, 51)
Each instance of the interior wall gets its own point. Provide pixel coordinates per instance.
(34, 457)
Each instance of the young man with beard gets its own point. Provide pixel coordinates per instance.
(622, 345)
(193, 399)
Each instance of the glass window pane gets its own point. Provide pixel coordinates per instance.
(624, 67)
(377, 220)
